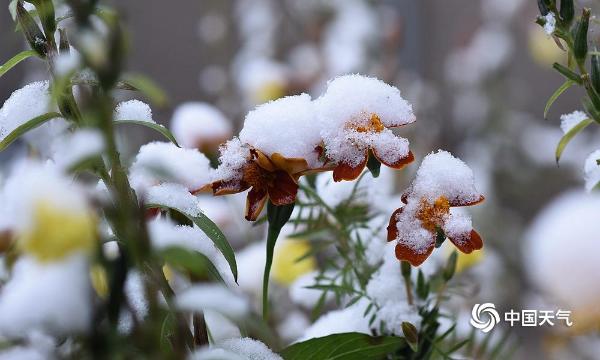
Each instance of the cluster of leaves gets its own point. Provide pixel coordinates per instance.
(571, 35)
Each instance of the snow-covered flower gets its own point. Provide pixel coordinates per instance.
(276, 146)
(442, 182)
(356, 114)
(133, 110)
(200, 125)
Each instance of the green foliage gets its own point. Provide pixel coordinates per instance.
(150, 125)
(569, 136)
(29, 125)
(12, 62)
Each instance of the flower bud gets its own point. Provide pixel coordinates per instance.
(32, 32)
(567, 11)
(580, 46)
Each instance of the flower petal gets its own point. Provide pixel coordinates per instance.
(346, 172)
(406, 253)
(462, 202)
(229, 187)
(263, 160)
(290, 165)
(397, 164)
(284, 189)
(393, 225)
(255, 201)
(468, 243)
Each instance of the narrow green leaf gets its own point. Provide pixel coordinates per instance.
(12, 62)
(450, 266)
(147, 87)
(154, 126)
(212, 231)
(562, 144)
(346, 346)
(277, 217)
(191, 261)
(556, 94)
(29, 125)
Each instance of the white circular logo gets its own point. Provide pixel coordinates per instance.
(487, 309)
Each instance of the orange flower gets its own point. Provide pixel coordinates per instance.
(417, 225)
(374, 129)
(272, 178)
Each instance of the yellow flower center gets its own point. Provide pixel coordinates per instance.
(56, 233)
(375, 125)
(432, 215)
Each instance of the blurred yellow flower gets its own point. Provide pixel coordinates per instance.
(286, 267)
(56, 233)
(270, 91)
(543, 49)
(465, 261)
(99, 281)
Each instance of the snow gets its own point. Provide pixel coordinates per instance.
(30, 300)
(249, 349)
(160, 162)
(174, 196)
(286, 126)
(135, 292)
(195, 124)
(133, 110)
(561, 251)
(410, 229)
(550, 24)
(591, 170)
(66, 63)
(350, 319)
(442, 174)
(202, 297)
(457, 224)
(73, 148)
(233, 156)
(569, 121)
(351, 102)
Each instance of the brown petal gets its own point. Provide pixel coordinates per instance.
(290, 165)
(284, 189)
(468, 243)
(255, 201)
(405, 253)
(462, 202)
(263, 160)
(392, 226)
(205, 188)
(398, 164)
(346, 172)
(229, 187)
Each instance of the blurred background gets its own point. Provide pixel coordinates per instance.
(478, 74)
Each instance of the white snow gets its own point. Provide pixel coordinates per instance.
(73, 148)
(54, 298)
(175, 196)
(160, 162)
(591, 170)
(133, 110)
(569, 121)
(442, 174)
(233, 156)
(202, 297)
(195, 124)
(287, 126)
(550, 25)
(249, 349)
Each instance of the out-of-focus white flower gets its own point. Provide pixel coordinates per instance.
(200, 125)
(562, 250)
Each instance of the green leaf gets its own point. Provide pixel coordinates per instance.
(154, 126)
(556, 94)
(147, 87)
(373, 165)
(212, 231)
(12, 62)
(346, 346)
(277, 217)
(191, 261)
(570, 135)
(450, 266)
(29, 125)
(411, 334)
